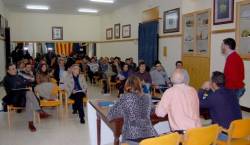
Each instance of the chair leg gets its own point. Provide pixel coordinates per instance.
(9, 117)
(58, 112)
(38, 118)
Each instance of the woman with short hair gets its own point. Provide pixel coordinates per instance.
(135, 108)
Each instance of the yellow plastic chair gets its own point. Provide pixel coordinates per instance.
(53, 103)
(53, 80)
(202, 136)
(11, 108)
(69, 101)
(169, 139)
(238, 133)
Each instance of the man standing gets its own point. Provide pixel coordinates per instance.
(181, 103)
(234, 67)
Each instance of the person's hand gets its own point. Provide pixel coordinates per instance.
(206, 85)
(30, 88)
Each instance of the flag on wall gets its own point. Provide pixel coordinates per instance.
(64, 48)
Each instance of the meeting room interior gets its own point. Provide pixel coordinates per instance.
(124, 72)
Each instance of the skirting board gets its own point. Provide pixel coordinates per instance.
(245, 108)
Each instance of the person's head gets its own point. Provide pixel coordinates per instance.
(133, 84)
(61, 61)
(21, 65)
(43, 68)
(217, 80)
(117, 60)
(179, 64)
(158, 66)
(75, 69)
(131, 59)
(127, 61)
(228, 45)
(178, 77)
(125, 67)
(11, 69)
(93, 60)
(142, 67)
(28, 67)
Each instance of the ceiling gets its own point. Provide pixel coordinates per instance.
(65, 6)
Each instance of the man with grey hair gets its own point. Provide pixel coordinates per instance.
(181, 103)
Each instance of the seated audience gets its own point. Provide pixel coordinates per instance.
(118, 63)
(222, 103)
(159, 77)
(132, 65)
(43, 74)
(123, 76)
(20, 66)
(94, 68)
(44, 87)
(179, 65)
(106, 73)
(20, 94)
(180, 103)
(135, 109)
(76, 89)
(27, 73)
(59, 71)
(144, 77)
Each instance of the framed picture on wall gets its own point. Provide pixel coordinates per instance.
(2, 26)
(109, 33)
(223, 11)
(171, 21)
(117, 29)
(126, 31)
(57, 33)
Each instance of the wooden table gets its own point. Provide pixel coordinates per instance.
(114, 125)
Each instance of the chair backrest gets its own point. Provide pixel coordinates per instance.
(202, 136)
(240, 129)
(169, 139)
(55, 90)
(52, 80)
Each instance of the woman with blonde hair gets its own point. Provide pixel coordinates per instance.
(135, 108)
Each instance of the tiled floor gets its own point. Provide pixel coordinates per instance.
(52, 131)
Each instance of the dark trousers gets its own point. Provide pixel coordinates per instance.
(91, 76)
(78, 103)
(17, 99)
(105, 86)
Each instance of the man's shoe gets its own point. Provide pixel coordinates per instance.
(32, 128)
(82, 121)
(74, 112)
(19, 111)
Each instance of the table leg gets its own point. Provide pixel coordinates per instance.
(98, 124)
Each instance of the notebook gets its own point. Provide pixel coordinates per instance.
(106, 104)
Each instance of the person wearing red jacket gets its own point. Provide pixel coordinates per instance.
(234, 67)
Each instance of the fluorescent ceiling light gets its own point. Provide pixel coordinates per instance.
(103, 1)
(37, 7)
(87, 10)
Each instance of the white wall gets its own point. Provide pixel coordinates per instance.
(132, 15)
(38, 27)
(2, 45)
